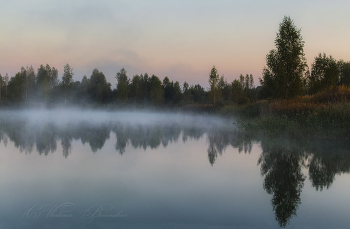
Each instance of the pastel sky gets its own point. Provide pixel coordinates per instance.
(180, 39)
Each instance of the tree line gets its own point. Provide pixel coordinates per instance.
(44, 87)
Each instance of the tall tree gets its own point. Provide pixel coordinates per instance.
(99, 89)
(24, 75)
(29, 76)
(46, 80)
(186, 94)
(122, 86)
(6, 79)
(213, 81)
(168, 90)
(177, 93)
(53, 76)
(67, 80)
(1, 83)
(237, 92)
(157, 91)
(137, 91)
(225, 89)
(16, 86)
(83, 89)
(286, 65)
(147, 86)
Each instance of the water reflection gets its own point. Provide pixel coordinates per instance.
(281, 160)
(44, 136)
(326, 160)
(281, 167)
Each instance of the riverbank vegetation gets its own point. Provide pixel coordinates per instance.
(322, 115)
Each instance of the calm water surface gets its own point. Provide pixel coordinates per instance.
(80, 169)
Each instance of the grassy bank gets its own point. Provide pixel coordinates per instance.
(325, 115)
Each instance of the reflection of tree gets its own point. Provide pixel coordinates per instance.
(122, 138)
(217, 145)
(66, 143)
(218, 141)
(170, 134)
(94, 134)
(46, 139)
(144, 136)
(23, 139)
(281, 167)
(212, 153)
(192, 133)
(44, 135)
(281, 162)
(327, 161)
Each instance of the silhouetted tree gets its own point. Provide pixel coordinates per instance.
(324, 73)
(286, 65)
(157, 91)
(67, 81)
(187, 97)
(122, 86)
(344, 73)
(225, 89)
(28, 75)
(137, 91)
(238, 95)
(6, 81)
(213, 82)
(47, 78)
(16, 86)
(198, 94)
(83, 90)
(169, 91)
(99, 89)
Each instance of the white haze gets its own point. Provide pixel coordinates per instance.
(63, 117)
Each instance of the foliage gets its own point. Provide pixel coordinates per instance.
(122, 86)
(137, 88)
(46, 79)
(67, 80)
(99, 89)
(243, 91)
(324, 74)
(213, 82)
(344, 73)
(286, 65)
(157, 92)
(172, 92)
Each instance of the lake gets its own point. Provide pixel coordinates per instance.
(137, 169)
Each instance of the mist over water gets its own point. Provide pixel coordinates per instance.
(165, 170)
(61, 117)
(41, 129)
